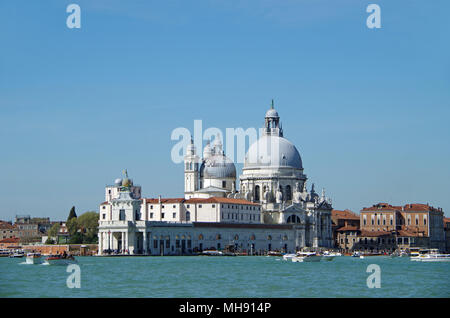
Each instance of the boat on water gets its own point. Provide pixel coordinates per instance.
(306, 257)
(4, 252)
(357, 254)
(17, 254)
(274, 253)
(212, 253)
(327, 256)
(60, 260)
(429, 255)
(33, 258)
(287, 257)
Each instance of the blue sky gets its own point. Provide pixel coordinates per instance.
(368, 109)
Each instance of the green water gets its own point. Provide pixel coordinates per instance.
(199, 276)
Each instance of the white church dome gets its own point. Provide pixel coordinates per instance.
(217, 167)
(273, 151)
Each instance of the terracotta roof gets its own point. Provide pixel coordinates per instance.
(164, 200)
(6, 225)
(418, 207)
(365, 233)
(346, 214)
(446, 220)
(104, 203)
(10, 240)
(382, 207)
(407, 233)
(348, 228)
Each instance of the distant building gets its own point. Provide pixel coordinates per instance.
(447, 234)
(7, 230)
(27, 231)
(345, 227)
(414, 225)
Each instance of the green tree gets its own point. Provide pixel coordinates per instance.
(72, 226)
(88, 226)
(72, 214)
(53, 231)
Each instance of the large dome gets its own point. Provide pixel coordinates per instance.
(218, 167)
(273, 151)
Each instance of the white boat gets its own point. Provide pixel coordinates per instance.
(287, 257)
(60, 260)
(212, 253)
(17, 254)
(306, 257)
(33, 258)
(429, 255)
(327, 256)
(356, 254)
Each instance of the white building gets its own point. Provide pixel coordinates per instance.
(272, 210)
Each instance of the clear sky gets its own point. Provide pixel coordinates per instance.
(368, 109)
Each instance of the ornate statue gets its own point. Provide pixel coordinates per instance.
(266, 195)
(297, 193)
(279, 194)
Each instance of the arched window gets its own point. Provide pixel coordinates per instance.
(253, 237)
(218, 237)
(200, 237)
(293, 219)
(257, 196)
(188, 216)
(288, 193)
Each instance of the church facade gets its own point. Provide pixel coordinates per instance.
(272, 210)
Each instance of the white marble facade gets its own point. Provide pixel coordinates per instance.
(272, 210)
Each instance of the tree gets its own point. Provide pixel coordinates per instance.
(54, 230)
(88, 226)
(72, 226)
(72, 214)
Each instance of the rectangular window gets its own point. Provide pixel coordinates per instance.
(151, 207)
(199, 206)
(162, 215)
(122, 215)
(155, 243)
(174, 206)
(168, 243)
(213, 206)
(174, 215)
(151, 215)
(104, 216)
(187, 206)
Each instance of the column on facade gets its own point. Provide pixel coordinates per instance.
(100, 243)
(144, 236)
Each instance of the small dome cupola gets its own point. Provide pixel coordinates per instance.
(272, 123)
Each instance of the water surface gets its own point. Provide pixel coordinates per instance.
(200, 276)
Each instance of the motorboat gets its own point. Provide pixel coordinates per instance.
(430, 255)
(356, 254)
(306, 257)
(288, 257)
(17, 254)
(274, 253)
(60, 260)
(212, 253)
(4, 252)
(327, 256)
(33, 258)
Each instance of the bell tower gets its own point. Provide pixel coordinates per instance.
(191, 173)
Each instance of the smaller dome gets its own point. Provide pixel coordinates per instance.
(217, 167)
(118, 182)
(126, 182)
(207, 151)
(272, 113)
